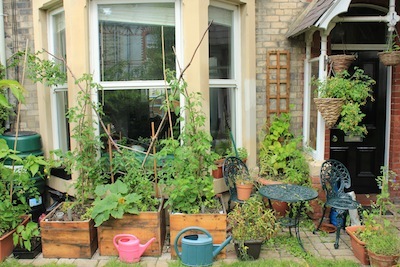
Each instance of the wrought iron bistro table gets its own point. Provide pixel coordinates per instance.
(292, 194)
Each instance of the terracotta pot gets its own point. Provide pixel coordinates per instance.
(358, 246)
(378, 260)
(6, 241)
(244, 191)
(279, 207)
(217, 174)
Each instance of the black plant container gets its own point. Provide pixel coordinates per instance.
(22, 253)
(252, 252)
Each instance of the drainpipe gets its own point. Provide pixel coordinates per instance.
(2, 36)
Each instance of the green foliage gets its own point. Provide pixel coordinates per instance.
(355, 89)
(24, 234)
(252, 220)
(392, 45)
(280, 156)
(190, 169)
(380, 236)
(17, 186)
(132, 193)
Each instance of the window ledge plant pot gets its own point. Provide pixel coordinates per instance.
(358, 246)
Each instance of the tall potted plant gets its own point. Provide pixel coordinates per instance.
(74, 235)
(187, 175)
(252, 223)
(352, 91)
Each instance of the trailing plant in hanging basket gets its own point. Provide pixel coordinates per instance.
(391, 56)
(354, 89)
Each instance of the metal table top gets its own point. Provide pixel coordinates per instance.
(288, 192)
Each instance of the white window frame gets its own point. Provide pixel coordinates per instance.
(94, 48)
(235, 82)
(60, 136)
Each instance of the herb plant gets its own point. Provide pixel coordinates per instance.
(24, 235)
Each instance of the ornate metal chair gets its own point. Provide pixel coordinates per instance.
(233, 166)
(335, 178)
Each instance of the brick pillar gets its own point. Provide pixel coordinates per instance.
(394, 150)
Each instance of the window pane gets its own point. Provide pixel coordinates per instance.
(131, 40)
(131, 112)
(222, 114)
(220, 43)
(60, 100)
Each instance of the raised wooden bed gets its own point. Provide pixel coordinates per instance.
(68, 239)
(216, 224)
(144, 226)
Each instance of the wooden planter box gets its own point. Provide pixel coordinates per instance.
(216, 224)
(144, 226)
(68, 239)
(6, 241)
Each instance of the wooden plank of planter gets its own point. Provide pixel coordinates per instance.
(68, 239)
(144, 226)
(214, 223)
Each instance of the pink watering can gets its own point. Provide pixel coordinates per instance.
(129, 247)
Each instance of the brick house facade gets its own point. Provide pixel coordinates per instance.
(272, 20)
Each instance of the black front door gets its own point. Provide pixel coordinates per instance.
(364, 156)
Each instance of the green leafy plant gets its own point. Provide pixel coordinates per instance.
(132, 193)
(379, 234)
(280, 156)
(16, 184)
(251, 221)
(355, 89)
(25, 234)
(187, 175)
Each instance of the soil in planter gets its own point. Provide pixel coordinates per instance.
(75, 215)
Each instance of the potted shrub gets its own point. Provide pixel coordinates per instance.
(129, 206)
(352, 92)
(391, 56)
(27, 241)
(186, 174)
(281, 159)
(252, 223)
(376, 232)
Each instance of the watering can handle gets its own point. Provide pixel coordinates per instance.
(193, 228)
(117, 237)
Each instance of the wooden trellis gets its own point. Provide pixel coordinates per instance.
(278, 82)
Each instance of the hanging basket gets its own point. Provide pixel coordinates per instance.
(341, 62)
(330, 109)
(389, 58)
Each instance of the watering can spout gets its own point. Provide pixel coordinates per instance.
(217, 248)
(142, 248)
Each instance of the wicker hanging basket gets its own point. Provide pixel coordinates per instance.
(330, 109)
(389, 58)
(341, 62)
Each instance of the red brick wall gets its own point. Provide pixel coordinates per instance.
(394, 151)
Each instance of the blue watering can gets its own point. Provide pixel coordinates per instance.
(198, 249)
